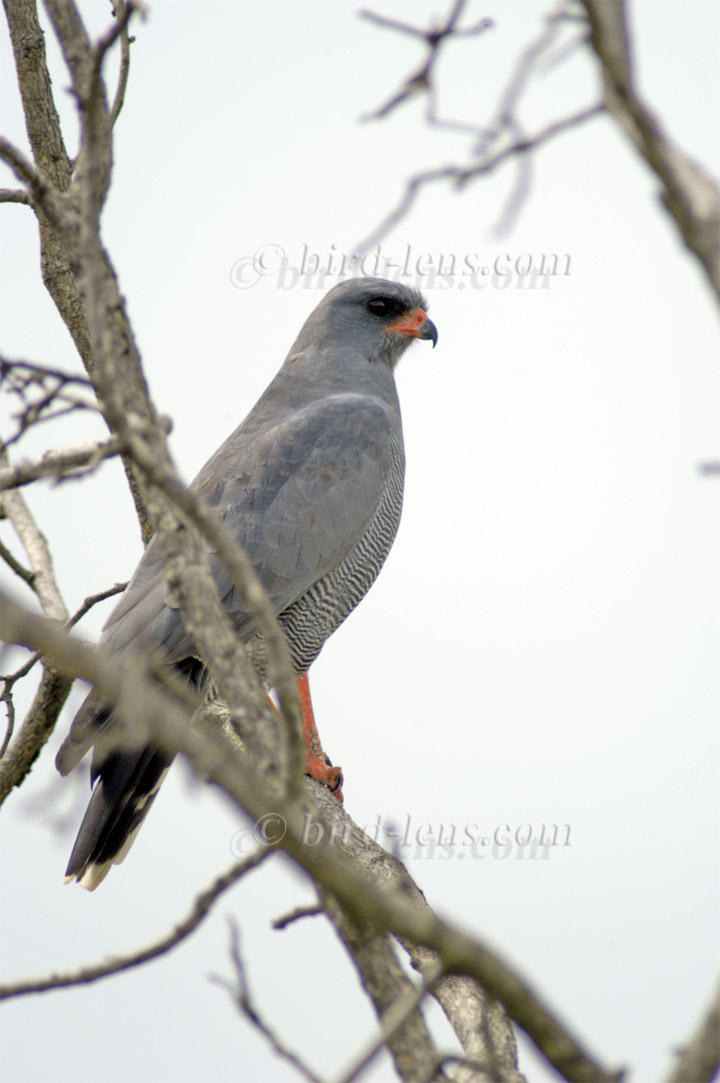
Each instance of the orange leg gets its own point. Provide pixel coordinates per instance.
(317, 765)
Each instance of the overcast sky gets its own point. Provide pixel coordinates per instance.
(541, 647)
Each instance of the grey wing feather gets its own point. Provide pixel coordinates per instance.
(297, 497)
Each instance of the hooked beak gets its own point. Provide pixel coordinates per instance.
(416, 324)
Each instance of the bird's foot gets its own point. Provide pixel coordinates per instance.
(321, 769)
(317, 764)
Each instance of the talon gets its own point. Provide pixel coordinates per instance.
(337, 788)
(339, 780)
(323, 771)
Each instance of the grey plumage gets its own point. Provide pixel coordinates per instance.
(310, 485)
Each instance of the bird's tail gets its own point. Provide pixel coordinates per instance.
(125, 789)
(126, 782)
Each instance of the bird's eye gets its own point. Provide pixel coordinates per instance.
(384, 306)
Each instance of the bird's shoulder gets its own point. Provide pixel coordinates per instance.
(322, 442)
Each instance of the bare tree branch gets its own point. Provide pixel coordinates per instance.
(148, 710)
(28, 742)
(17, 758)
(480, 1023)
(505, 125)
(61, 463)
(41, 119)
(58, 208)
(86, 975)
(691, 196)
(462, 175)
(14, 195)
(403, 1033)
(36, 547)
(422, 79)
(483, 1028)
(392, 1020)
(74, 41)
(700, 1059)
(40, 193)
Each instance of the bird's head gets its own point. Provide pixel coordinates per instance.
(378, 317)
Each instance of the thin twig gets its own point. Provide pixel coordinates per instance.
(508, 124)
(240, 992)
(40, 191)
(25, 574)
(43, 371)
(87, 605)
(42, 394)
(38, 725)
(92, 600)
(6, 698)
(35, 413)
(297, 915)
(422, 79)
(124, 72)
(93, 972)
(434, 35)
(128, 9)
(21, 166)
(12, 678)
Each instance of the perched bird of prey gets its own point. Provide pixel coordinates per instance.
(310, 485)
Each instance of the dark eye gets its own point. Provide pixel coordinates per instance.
(384, 307)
